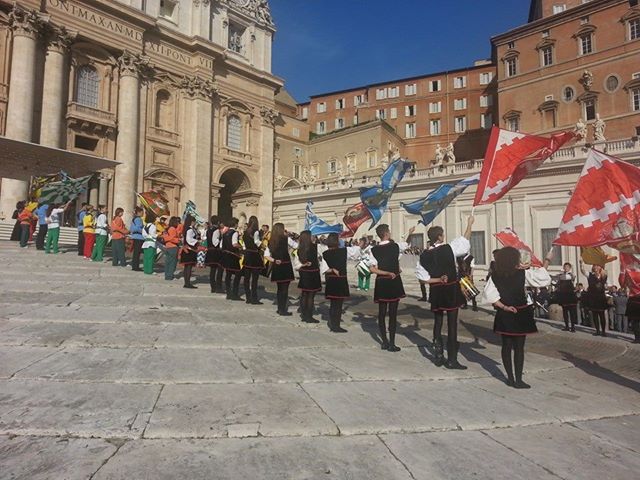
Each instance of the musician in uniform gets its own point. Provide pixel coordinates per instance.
(437, 267)
(231, 255)
(567, 298)
(213, 257)
(252, 265)
(465, 274)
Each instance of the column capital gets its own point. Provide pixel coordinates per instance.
(25, 23)
(203, 2)
(197, 87)
(269, 116)
(132, 64)
(59, 39)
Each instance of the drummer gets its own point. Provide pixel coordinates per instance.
(437, 267)
(465, 271)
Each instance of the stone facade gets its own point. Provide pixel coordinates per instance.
(179, 92)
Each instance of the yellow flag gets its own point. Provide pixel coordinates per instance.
(595, 256)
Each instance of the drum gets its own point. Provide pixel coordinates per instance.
(468, 288)
(363, 268)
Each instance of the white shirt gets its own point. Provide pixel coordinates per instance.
(533, 277)
(460, 246)
(215, 239)
(353, 253)
(54, 218)
(372, 258)
(149, 233)
(290, 242)
(191, 237)
(101, 224)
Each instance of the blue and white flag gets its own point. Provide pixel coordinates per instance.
(430, 206)
(316, 225)
(376, 198)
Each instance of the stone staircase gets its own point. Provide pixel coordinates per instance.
(68, 235)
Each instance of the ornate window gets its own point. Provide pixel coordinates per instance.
(511, 66)
(372, 158)
(87, 86)
(234, 133)
(236, 32)
(612, 83)
(568, 94)
(635, 99)
(163, 113)
(512, 120)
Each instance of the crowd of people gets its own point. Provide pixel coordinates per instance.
(236, 256)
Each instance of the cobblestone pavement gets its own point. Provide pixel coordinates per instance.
(107, 373)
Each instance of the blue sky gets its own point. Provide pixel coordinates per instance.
(326, 45)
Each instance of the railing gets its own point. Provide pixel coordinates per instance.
(575, 152)
(166, 134)
(76, 109)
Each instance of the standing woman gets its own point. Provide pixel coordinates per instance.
(277, 253)
(189, 252)
(25, 217)
(15, 233)
(171, 239)
(214, 255)
(514, 320)
(136, 236)
(309, 271)
(150, 235)
(334, 268)
(118, 234)
(597, 296)
(231, 249)
(252, 265)
(89, 231)
(567, 298)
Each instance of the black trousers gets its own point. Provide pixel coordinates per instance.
(251, 276)
(392, 309)
(513, 344)
(42, 233)
(282, 297)
(570, 315)
(229, 277)
(335, 312)
(135, 256)
(452, 333)
(80, 243)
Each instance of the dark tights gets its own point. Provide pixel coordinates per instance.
(283, 297)
(213, 272)
(452, 334)
(232, 293)
(599, 321)
(335, 313)
(219, 274)
(187, 275)
(392, 308)
(635, 325)
(423, 290)
(306, 305)
(516, 344)
(251, 276)
(570, 313)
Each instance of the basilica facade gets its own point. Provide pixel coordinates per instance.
(179, 92)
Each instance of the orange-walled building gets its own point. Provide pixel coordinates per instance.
(573, 60)
(455, 107)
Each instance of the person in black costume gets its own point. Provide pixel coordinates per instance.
(189, 251)
(597, 297)
(277, 253)
(334, 269)
(567, 298)
(388, 288)
(213, 257)
(514, 319)
(15, 233)
(231, 249)
(438, 268)
(309, 272)
(252, 265)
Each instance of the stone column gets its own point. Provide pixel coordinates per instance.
(93, 193)
(128, 127)
(266, 174)
(52, 126)
(103, 188)
(198, 94)
(25, 26)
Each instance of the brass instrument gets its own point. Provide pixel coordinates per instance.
(469, 290)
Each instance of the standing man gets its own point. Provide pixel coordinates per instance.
(102, 225)
(438, 268)
(41, 211)
(136, 235)
(80, 223)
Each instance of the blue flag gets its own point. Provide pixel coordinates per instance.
(376, 198)
(430, 206)
(316, 225)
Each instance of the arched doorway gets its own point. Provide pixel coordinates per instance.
(234, 181)
(164, 181)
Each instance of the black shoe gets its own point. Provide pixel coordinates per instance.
(438, 361)
(384, 346)
(565, 329)
(509, 382)
(285, 314)
(256, 302)
(521, 385)
(338, 330)
(393, 348)
(637, 340)
(596, 334)
(475, 309)
(604, 334)
(422, 299)
(189, 286)
(310, 320)
(213, 290)
(454, 365)
(573, 330)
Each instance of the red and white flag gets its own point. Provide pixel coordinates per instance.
(510, 157)
(509, 238)
(604, 208)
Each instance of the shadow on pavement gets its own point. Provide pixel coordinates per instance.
(596, 370)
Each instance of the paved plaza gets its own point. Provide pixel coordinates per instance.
(107, 373)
